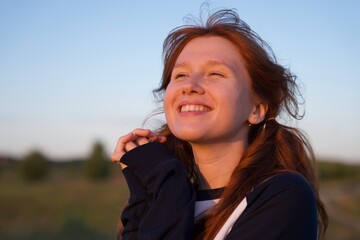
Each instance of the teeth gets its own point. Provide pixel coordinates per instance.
(193, 108)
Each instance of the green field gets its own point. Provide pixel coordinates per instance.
(68, 206)
(65, 206)
(340, 191)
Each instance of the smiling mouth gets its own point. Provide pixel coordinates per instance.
(194, 108)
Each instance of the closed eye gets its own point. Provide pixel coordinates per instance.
(216, 74)
(180, 76)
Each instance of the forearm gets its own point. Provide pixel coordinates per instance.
(161, 203)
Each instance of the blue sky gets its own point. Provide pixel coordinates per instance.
(76, 72)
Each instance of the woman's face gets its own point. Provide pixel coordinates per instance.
(209, 99)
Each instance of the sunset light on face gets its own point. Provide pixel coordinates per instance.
(209, 87)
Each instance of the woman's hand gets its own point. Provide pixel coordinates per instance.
(132, 140)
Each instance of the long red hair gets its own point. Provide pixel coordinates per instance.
(272, 149)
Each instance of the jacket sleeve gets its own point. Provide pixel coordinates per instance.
(284, 208)
(162, 199)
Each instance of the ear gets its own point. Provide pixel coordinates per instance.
(258, 113)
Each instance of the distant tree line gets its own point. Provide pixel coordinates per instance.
(96, 164)
(35, 166)
(331, 170)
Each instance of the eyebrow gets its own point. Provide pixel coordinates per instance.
(215, 62)
(208, 63)
(182, 64)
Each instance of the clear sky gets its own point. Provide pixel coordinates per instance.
(76, 72)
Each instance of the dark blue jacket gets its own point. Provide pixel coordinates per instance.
(162, 200)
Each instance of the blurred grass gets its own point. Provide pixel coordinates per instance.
(69, 206)
(340, 192)
(65, 206)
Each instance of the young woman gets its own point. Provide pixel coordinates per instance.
(222, 167)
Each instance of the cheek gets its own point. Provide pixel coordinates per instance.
(245, 105)
(168, 101)
(239, 105)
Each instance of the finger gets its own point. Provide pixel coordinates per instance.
(116, 156)
(140, 132)
(120, 146)
(141, 141)
(153, 137)
(130, 146)
(157, 138)
(162, 139)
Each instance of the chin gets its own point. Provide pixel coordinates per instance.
(188, 136)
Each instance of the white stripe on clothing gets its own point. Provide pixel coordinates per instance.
(226, 228)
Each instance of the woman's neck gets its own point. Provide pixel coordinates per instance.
(216, 162)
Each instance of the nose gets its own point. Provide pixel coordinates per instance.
(192, 86)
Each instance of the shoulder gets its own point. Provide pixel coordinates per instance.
(285, 180)
(289, 187)
(289, 179)
(282, 207)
